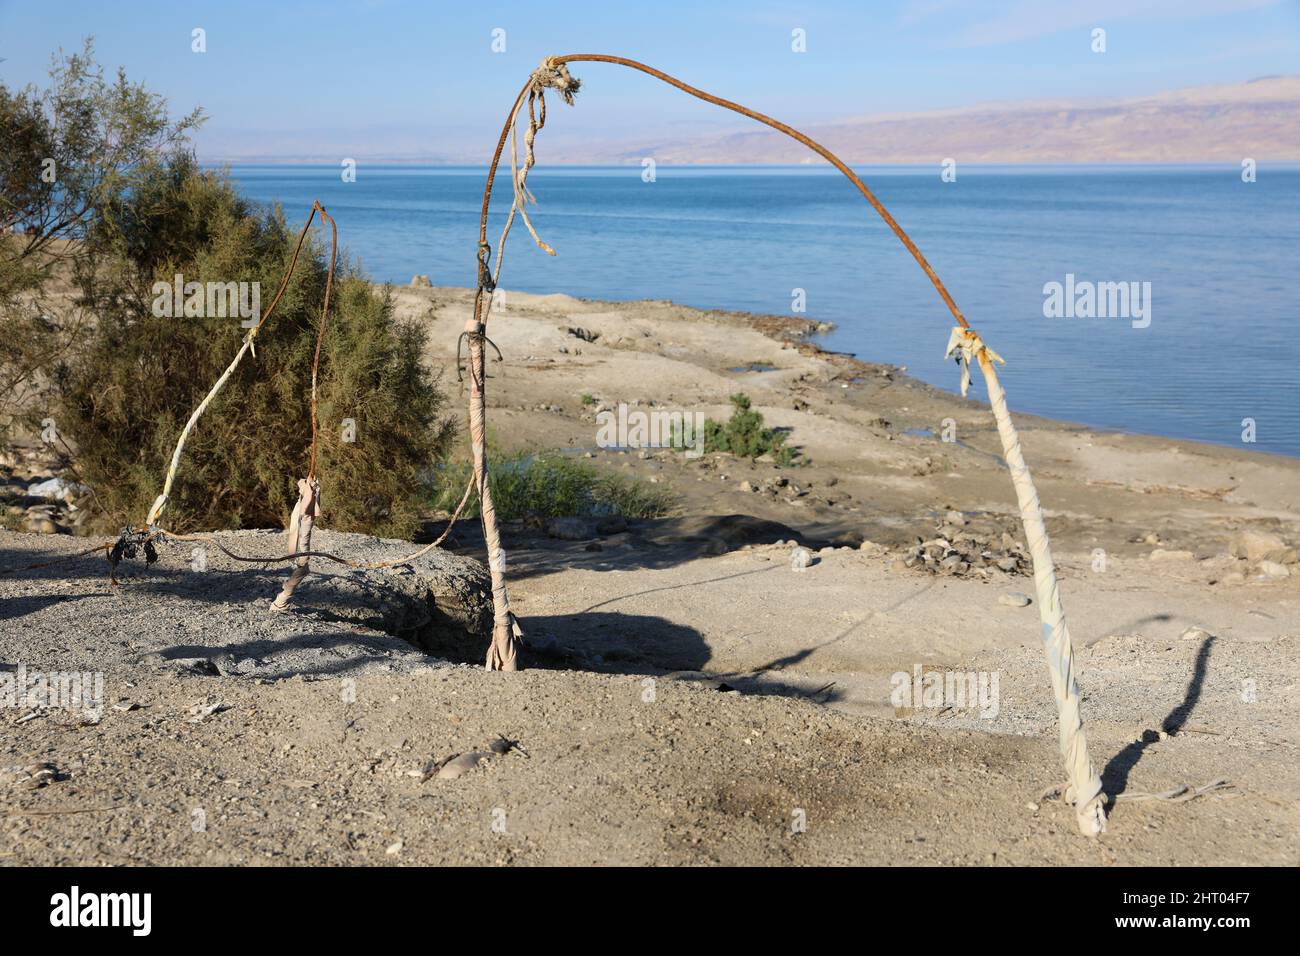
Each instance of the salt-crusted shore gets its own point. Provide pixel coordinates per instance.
(689, 690)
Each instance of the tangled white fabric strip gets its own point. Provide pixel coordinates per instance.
(1084, 789)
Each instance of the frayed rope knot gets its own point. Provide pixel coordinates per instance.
(553, 75)
(967, 345)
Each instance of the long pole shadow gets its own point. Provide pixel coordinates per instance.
(1114, 778)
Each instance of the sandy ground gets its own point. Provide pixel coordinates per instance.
(691, 698)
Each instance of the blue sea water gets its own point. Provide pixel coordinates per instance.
(1222, 257)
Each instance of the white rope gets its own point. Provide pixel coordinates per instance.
(161, 501)
(1084, 789)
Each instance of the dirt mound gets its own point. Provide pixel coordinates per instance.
(197, 608)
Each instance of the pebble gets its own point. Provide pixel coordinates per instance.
(1014, 599)
(611, 524)
(1261, 546)
(1161, 554)
(41, 524)
(571, 528)
(800, 558)
(1196, 634)
(1272, 569)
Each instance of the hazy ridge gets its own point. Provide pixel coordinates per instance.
(1226, 123)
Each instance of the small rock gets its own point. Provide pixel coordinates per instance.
(955, 518)
(800, 558)
(1196, 634)
(611, 524)
(395, 849)
(571, 528)
(1272, 569)
(38, 523)
(746, 486)
(421, 282)
(1257, 546)
(1014, 599)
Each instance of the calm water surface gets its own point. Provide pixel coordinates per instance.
(1222, 258)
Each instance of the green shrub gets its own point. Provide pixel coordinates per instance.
(745, 435)
(67, 152)
(123, 398)
(551, 486)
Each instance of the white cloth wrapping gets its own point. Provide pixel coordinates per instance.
(1084, 789)
(304, 516)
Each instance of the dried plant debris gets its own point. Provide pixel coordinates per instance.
(31, 777)
(204, 709)
(130, 543)
(965, 548)
(457, 765)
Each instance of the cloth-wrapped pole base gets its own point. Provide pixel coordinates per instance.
(305, 513)
(503, 653)
(1084, 790)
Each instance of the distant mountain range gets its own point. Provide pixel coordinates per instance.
(1259, 119)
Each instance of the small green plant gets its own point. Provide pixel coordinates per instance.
(552, 486)
(588, 399)
(745, 435)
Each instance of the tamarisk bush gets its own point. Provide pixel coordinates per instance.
(122, 399)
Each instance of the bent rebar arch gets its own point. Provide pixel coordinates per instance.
(1084, 789)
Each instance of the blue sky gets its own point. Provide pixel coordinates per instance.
(387, 77)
